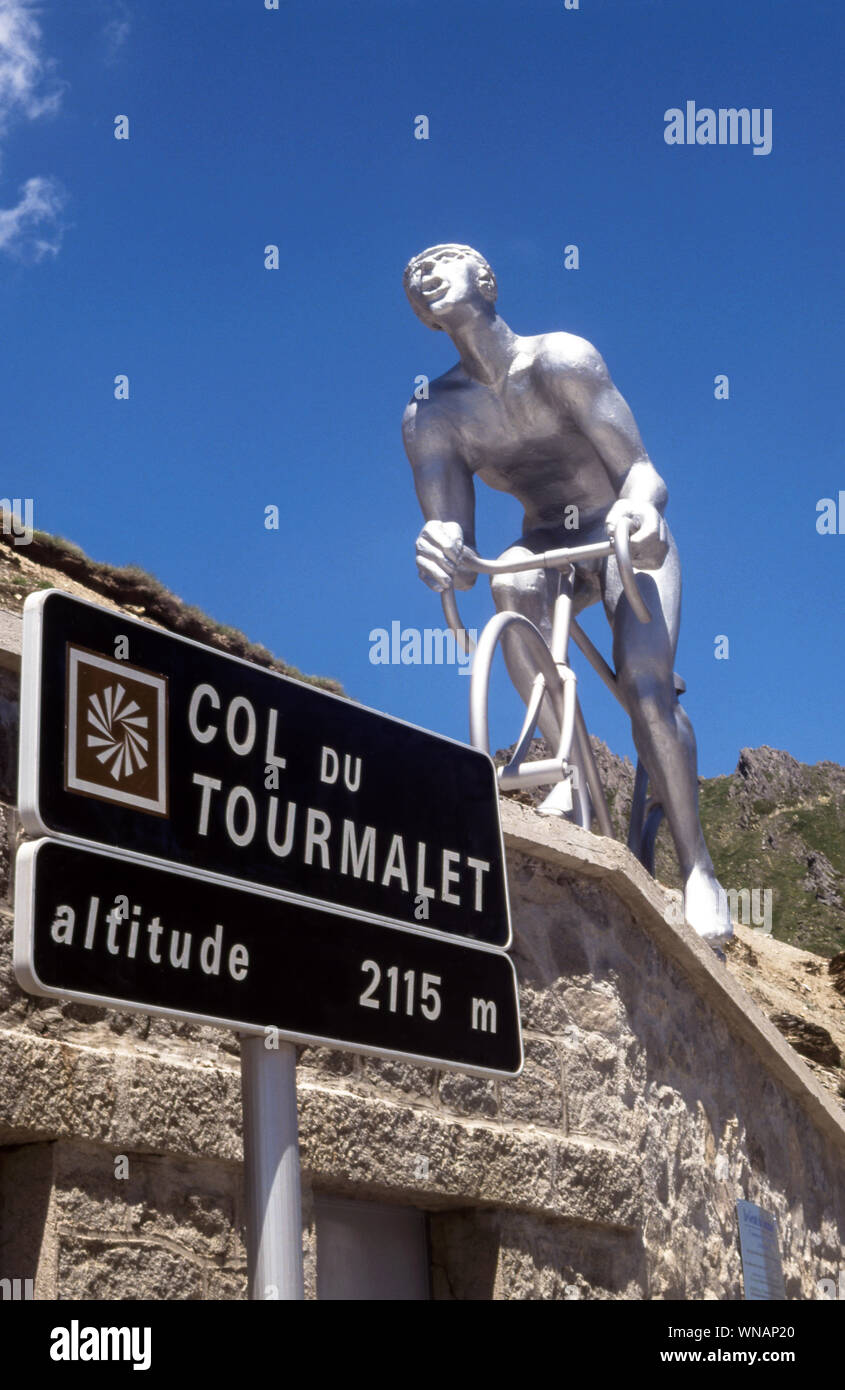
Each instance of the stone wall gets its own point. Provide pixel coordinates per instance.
(654, 1094)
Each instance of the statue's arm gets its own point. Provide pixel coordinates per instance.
(446, 494)
(606, 419)
(442, 480)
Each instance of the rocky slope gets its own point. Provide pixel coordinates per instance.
(772, 824)
(797, 992)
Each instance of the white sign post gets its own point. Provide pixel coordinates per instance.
(271, 1170)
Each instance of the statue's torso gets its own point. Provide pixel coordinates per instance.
(519, 438)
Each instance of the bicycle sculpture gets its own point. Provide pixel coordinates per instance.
(539, 417)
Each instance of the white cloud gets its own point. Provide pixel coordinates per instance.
(28, 90)
(116, 31)
(26, 84)
(31, 230)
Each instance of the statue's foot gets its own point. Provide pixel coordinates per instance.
(559, 800)
(706, 909)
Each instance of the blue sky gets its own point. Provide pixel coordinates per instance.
(251, 387)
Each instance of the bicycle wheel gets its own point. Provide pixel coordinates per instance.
(551, 684)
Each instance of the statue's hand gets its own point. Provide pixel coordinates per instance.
(650, 540)
(440, 546)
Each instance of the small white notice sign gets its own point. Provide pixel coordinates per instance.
(762, 1272)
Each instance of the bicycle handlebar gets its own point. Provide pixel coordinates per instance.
(545, 559)
(616, 544)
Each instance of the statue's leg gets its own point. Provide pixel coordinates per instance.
(644, 656)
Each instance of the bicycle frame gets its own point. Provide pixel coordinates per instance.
(554, 680)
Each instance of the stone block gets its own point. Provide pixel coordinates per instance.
(594, 1087)
(397, 1078)
(372, 1147)
(329, 1061)
(95, 1267)
(536, 1095)
(468, 1095)
(502, 1256)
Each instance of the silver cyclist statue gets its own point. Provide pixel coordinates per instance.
(539, 417)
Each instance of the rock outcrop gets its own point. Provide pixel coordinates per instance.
(774, 826)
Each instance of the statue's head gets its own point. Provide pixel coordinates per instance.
(446, 282)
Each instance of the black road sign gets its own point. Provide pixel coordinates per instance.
(125, 933)
(155, 744)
